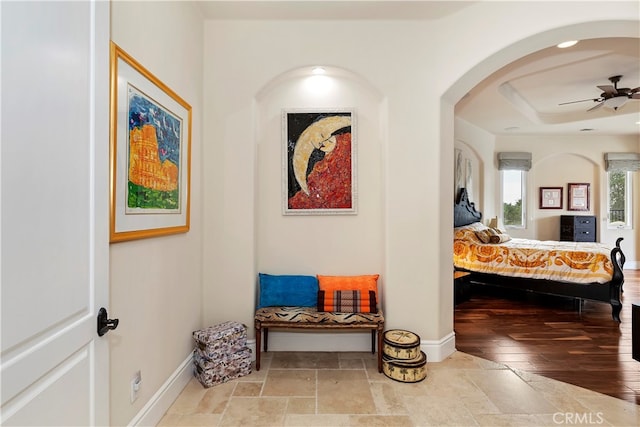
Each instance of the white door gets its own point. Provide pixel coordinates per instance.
(54, 216)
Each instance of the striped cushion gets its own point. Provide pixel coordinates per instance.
(347, 301)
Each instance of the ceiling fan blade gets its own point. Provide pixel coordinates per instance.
(596, 107)
(635, 90)
(582, 100)
(635, 95)
(608, 89)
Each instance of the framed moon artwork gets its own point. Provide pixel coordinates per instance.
(319, 162)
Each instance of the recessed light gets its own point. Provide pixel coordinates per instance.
(510, 128)
(318, 71)
(566, 44)
(587, 130)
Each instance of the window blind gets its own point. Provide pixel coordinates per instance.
(622, 161)
(514, 161)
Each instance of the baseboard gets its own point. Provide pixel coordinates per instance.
(438, 350)
(153, 411)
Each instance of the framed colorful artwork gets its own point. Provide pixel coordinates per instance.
(150, 153)
(319, 162)
(578, 197)
(550, 197)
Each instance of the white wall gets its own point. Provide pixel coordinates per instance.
(421, 71)
(329, 244)
(392, 136)
(156, 284)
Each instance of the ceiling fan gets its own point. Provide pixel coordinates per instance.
(611, 96)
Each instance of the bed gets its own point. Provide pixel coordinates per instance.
(582, 270)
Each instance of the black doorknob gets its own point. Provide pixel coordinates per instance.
(104, 324)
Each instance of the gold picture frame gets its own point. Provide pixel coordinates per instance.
(150, 153)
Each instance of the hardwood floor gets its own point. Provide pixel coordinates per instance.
(549, 336)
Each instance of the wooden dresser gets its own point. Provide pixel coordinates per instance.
(578, 228)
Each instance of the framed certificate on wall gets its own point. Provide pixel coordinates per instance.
(550, 197)
(578, 197)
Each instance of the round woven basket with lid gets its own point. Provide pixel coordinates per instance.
(406, 371)
(400, 344)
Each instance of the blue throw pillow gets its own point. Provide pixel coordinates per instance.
(301, 291)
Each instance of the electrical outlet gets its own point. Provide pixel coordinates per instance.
(136, 382)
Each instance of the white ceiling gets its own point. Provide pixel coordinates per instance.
(325, 9)
(522, 97)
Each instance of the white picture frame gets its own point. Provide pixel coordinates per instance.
(319, 161)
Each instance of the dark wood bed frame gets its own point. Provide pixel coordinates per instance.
(465, 213)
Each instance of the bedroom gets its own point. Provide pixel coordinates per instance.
(539, 145)
(567, 145)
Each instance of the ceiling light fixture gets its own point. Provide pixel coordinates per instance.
(318, 71)
(615, 102)
(566, 44)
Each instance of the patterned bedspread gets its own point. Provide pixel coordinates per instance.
(576, 262)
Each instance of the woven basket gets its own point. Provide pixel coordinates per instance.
(400, 344)
(403, 370)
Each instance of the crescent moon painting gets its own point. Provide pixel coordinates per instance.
(319, 172)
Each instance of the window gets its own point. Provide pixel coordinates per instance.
(619, 200)
(620, 167)
(513, 172)
(513, 194)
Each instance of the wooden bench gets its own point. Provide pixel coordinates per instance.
(311, 318)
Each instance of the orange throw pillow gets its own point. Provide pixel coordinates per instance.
(362, 283)
(357, 283)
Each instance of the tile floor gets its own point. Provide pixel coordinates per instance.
(345, 389)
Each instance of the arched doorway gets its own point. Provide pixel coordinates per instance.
(587, 30)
